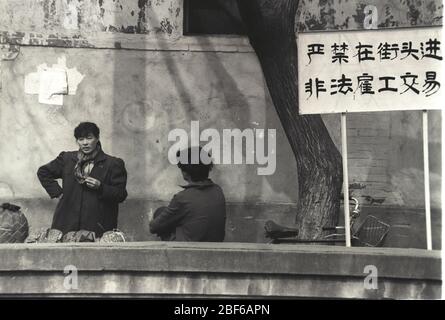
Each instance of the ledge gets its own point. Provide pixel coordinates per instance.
(223, 258)
(177, 269)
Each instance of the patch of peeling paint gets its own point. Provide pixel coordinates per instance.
(162, 18)
(166, 26)
(349, 15)
(49, 9)
(70, 20)
(141, 17)
(359, 15)
(413, 14)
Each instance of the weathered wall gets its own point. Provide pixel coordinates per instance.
(349, 14)
(79, 19)
(137, 96)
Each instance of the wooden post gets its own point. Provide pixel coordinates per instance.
(426, 170)
(344, 153)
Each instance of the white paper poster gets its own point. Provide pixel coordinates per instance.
(53, 85)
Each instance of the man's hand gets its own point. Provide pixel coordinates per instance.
(92, 183)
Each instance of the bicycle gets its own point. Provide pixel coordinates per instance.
(370, 233)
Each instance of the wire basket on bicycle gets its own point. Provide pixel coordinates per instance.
(371, 233)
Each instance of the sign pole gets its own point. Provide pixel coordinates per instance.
(426, 171)
(344, 154)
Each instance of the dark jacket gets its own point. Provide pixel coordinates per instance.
(81, 207)
(197, 213)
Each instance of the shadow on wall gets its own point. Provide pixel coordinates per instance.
(225, 89)
(141, 142)
(285, 157)
(137, 129)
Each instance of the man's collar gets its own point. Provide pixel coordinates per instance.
(198, 184)
(101, 156)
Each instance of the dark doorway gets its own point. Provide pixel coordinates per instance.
(212, 17)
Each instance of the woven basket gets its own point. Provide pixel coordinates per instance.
(113, 236)
(14, 226)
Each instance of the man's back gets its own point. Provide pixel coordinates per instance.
(198, 213)
(205, 213)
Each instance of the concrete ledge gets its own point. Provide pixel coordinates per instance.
(185, 285)
(223, 257)
(219, 269)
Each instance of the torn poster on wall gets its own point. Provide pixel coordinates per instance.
(371, 70)
(53, 85)
(48, 79)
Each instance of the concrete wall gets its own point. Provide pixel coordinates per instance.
(138, 77)
(218, 270)
(136, 99)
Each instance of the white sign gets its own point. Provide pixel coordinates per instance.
(370, 70)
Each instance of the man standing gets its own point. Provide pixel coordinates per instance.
(93, 184)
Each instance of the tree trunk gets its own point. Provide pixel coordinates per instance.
(271, 30)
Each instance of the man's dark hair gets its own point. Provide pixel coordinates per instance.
(86, 128)
(197, 171)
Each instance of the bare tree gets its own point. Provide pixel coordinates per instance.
(270, 27)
